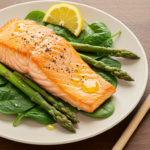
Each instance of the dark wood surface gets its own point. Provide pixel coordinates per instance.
(135, 14)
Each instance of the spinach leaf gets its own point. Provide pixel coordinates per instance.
(99, 27)
(97, 39)
(87, 31)
(100, 35)
(13, 101)
(36, 16)
(110, 62)
(108, 43)
(38, 114)
(3, 80)
(105, 110)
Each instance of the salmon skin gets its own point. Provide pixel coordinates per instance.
(53, 63)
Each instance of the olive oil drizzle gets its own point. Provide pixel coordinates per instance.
(50, 127)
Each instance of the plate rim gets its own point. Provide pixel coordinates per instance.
(107, 127)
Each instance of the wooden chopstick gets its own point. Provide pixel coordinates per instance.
(133, 125)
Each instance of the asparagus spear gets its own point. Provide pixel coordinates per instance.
(71, 115)
(37, 98)
(113, 70)
(104, 50)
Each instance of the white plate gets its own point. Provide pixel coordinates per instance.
(126, 98)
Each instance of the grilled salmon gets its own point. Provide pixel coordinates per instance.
(53, 63)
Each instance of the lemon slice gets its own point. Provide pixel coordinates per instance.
(65, 15)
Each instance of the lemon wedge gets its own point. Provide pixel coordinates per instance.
(65, 15)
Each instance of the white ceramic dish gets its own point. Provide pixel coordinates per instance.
(126, 98)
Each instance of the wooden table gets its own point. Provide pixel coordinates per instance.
(135, 14)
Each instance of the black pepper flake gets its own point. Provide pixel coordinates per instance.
(24, 38)
(82, 76)
(46, 50)
(12, 34)
(67, 69)
(64, 48)
(32, 36)
(27, 41)
(54, 61)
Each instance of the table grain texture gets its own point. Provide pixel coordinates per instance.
(135, 14)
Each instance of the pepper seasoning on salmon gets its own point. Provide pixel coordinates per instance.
(53, 63)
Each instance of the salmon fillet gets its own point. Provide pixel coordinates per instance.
(53, 63)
